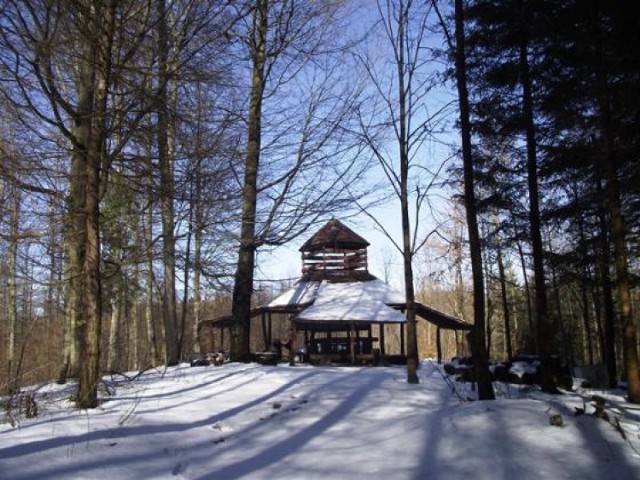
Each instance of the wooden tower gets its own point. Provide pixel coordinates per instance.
(335, 252)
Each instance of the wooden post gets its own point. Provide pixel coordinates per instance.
(382, 349)
(402, 349)
(352, 344)
(265, 333)
(307, 346)
(439, 345)
(292, 341)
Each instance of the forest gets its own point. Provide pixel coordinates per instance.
(151, 149)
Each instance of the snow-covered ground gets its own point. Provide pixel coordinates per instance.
(279, 422)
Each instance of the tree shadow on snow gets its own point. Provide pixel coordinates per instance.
(108, 437)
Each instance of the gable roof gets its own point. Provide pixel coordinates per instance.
(334, 234)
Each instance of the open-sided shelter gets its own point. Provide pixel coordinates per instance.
(341, 312)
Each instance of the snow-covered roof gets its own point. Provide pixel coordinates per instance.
(368, 300)
(351, 311)
(354, 301)
(382, 291)
(302, 293)
(342, 301)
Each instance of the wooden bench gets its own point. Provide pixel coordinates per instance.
(266, 358)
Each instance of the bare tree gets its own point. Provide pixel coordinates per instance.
(299, 160)
(97, 84)
(59, 73)
(165, 159)
(243, 285)
(402, 86)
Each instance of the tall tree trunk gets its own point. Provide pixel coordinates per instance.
(197, 266)
(54, 290)
(478, 346)
(114, 353)
(169, 313)
(197, 294)
(243, 285)
(198, 213)
(75, 233)
(407, 247)
(584, 297)
(412, 334)
(617, 223)
(560, 322)
(184, 312)
(150, 326)
(543, 320)
(104, 21)
(92, 307)
(75, 228)
(460, 289)
(609, 341)
(623, 284)
(506, 312)
(136, 324)
(527, 286)
(69, 367)
(13, 381)
(153, 356)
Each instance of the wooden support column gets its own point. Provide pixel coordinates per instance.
(382, 349)
(352, 344)
(402, 349)
(265, 332)
(212, 340)
(439, 345)
(292, 337)
(306, 347)
(205, 338)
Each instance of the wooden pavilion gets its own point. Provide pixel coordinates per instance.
(339, 312)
